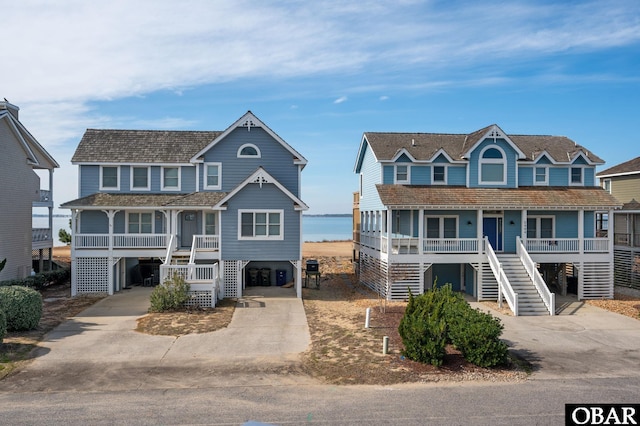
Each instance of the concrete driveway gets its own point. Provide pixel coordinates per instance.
(582, 341)
(98, 349)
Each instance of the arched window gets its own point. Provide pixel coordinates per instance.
(248, 150)
(493, 165)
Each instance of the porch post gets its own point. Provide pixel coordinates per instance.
(479, 230)
(581, 231)
(421, 233)
(74, 230)
(523, 227)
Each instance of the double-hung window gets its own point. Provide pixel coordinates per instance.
(109, 177)
(171, 178)
(439, 174)
(540, 175)
(210, 224)
(212, 176)
(261, 224)
(140, 178)
(576, 176)
(402, 174)
(140, 223)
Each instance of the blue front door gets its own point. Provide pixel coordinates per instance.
(492, 228)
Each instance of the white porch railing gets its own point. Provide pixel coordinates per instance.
(206, 242)
(450, 245)
(547, 296)
(119, 241)
(504, 286)
(566, 245)
(401, 244)
(200, 278)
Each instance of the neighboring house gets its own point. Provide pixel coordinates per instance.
(479, 209)
(213, 206)
(23, 247)
(623, 182)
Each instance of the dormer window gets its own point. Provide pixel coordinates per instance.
(439, 174)
(492, 166)
(402, 174)
(249, 150)
(541, 176)
(576, 176)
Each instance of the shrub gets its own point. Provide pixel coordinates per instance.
(3, 325)
(170, 295)
(41, 280)
(22, 307)
(477, 335)
(441, 316)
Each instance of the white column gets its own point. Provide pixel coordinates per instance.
(479, 230)
(523, 226)
(421, 234)
(581, 231)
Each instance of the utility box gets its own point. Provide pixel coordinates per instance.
(281, 277)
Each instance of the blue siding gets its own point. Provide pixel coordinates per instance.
(120, 223)
(457, 175)
(254, 197)
(469, 274)
(525, 176)
(275, 159)
(420, 175)
(447, 274)
(188, 179)
(544, 160)
(566, 224)
(156, 181)
(510, 164)
(510, 231)
(388, 175)
(589, 176)
(125, 179)
(589, 224)
(89, 180)
(464, 229)
(371, 175)
(93, 222)
(441, 159)
(558, 176)
(403, 159)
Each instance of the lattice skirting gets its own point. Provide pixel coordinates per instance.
(200, 299)
(231, 277)
(91, 275)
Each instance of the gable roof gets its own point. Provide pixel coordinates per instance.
(140, 146)
(250, 120)
(260, 177)
(627, 168)
(424, 146)
(37, 156)
(536, 198)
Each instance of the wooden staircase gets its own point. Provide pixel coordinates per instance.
(529, 301)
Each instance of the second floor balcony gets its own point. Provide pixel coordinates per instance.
(140, 241)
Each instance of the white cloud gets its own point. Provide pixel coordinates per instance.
(340, 100)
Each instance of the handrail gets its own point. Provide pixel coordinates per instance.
(167, 259)
(192, 256)
(504, 286)
(547, 296)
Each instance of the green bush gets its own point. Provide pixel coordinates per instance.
(170, 295)
(3, 325)
(22, 307)
(41, 280)
(441, 316)
(477, 335)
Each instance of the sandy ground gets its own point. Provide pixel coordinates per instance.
(309, 250)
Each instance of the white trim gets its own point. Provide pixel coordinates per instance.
(610, 175)
(249, 145)
(395, 174)
(279, 237)
(146, 188)
(433, 174)
(400, 153)
(216, 216)
(261, 176)
(495, 132)
(205, 176)
(604, 184)
(170, 188)
(545, 182)
(503, 161)
(106, 188)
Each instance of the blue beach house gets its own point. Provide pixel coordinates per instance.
(221, 208)
(500, 217)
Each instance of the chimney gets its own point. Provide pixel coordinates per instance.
(6, 105)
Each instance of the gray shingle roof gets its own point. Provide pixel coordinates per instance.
(141, 146)
(497, 198)
(425, 145)
(628, 167)
(103, 200)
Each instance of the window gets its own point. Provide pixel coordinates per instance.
(261, 225)
(402, 174)
(439, 174)
(576, 176)
(210, 224)
(441, 227)
(492, 166)
(212, 176)
(140, 223)
(540, 227)
(171, 178)
(540, 176)
(249, 150)
(109, 177)
(140, 178)
(606, 184)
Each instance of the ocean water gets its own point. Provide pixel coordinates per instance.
(326, 228)
(314, 228)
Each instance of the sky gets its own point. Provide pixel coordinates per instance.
(322, 73)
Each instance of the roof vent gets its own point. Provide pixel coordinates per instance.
(413, 142)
